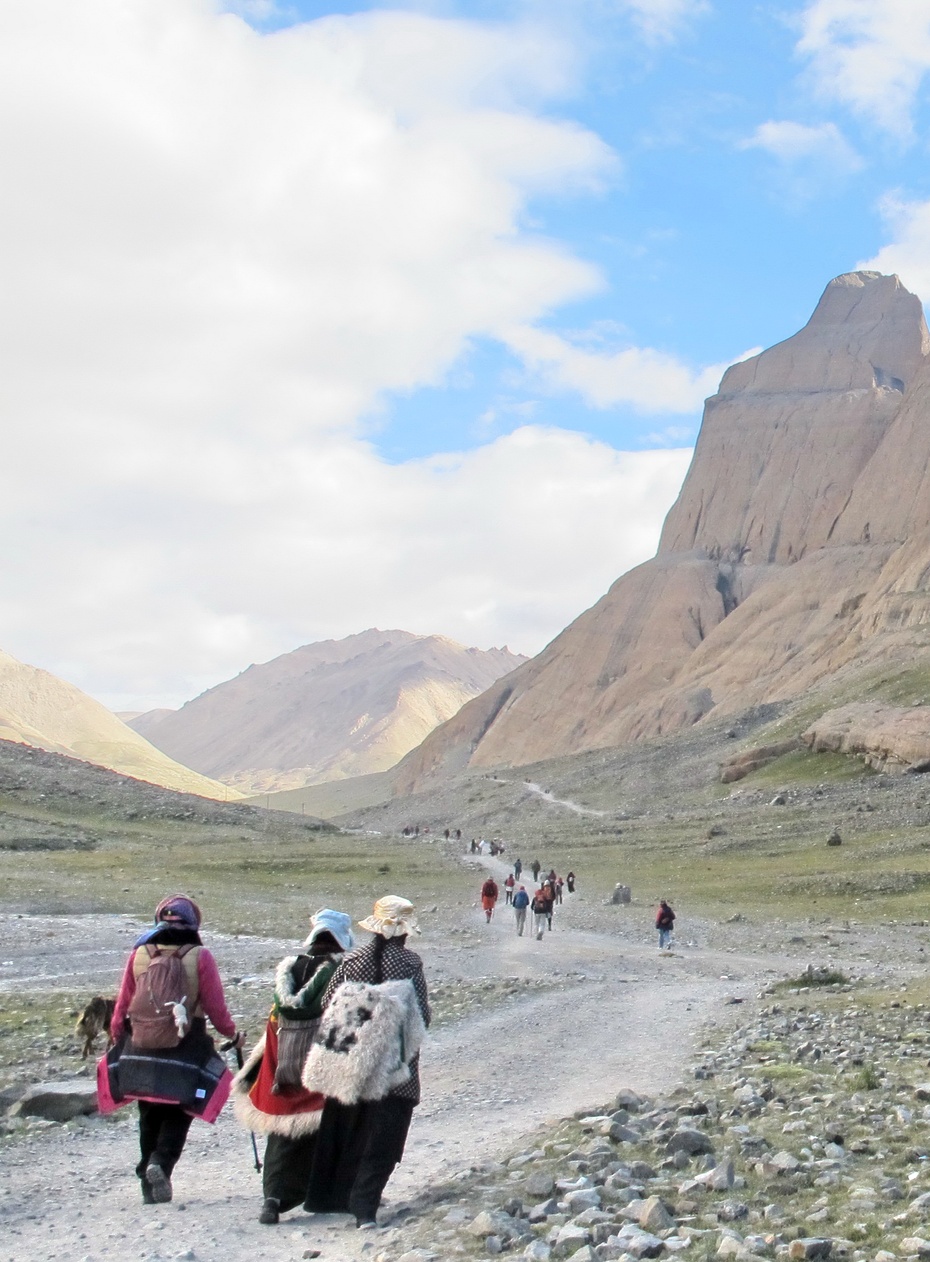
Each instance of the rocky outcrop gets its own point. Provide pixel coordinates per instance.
(888, 738)
(326, 711)
(38, 709)
(789, 560)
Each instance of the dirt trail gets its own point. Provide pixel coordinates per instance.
(617, 1014)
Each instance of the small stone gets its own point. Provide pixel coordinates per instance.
(537, 1251)
(585, 1198)
(692, 1142)
(654, 1216)
(540, 1184)
(720, 1179)
(493, 1244)
(810, 1247)
(915, 1244)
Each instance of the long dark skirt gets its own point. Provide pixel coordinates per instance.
(358, 1146)
(286, 1168)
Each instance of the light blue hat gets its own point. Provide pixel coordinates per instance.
(335, 922)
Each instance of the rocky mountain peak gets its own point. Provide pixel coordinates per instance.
(791, 429)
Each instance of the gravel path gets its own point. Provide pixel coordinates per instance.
(612, 1013)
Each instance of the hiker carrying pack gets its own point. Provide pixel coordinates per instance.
(359, 1144)
(162, 1056)
(166, 996)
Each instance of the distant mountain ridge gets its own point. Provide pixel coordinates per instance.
(37, 708)
(326, 711)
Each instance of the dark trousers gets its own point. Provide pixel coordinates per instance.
(286, 1169)
(162, 1131)
(358, 1147)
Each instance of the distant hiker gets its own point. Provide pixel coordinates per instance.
(542, 911)
(458, 834)
(534, 868)
(549, 895)
(489, 893)
(521, 900)
(359, 1144)
(558, 889)
(570, 882)
(446, 834)
(665, 922)
(268, 1095)
(474, 846)
(162, 1055)
(552, 878)
(517, 869)
(508, 889)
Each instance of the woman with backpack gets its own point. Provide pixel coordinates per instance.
(268, 1094)
(161, 1054)
(360, 1143)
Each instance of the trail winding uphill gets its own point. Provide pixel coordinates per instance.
(608, 1012)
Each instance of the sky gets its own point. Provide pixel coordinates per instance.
(325, 316)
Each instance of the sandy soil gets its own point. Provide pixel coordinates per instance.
(617, 1014)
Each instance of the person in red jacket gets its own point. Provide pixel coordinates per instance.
(489, 893)
(174, 1085)
(665, 923)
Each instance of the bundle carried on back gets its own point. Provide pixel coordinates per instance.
(367, 1038)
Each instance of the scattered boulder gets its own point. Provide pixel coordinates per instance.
(690, 1141)
(57, 1101)
(622, 894)
(835, 839)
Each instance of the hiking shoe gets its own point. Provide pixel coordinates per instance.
(271, 1211)
(159, 1182)
(366, 1224)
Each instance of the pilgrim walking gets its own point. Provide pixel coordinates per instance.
(161, 1054)
(268, 1094)
(366, 1062)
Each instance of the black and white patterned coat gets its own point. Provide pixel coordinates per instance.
(397, 963)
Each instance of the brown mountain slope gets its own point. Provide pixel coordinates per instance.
(38, 709)
(797, 554)
(325, 711)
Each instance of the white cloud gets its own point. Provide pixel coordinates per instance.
(870, 55)
(792, 143)
(506, 542)
(221, 250)
(648, 380)
(909, 253)
(663, 20)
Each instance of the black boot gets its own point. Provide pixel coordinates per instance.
(271, 1211)
(159, 1183)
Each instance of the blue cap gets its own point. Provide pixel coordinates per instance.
(338, 923)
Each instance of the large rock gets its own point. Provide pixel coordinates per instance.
(789, 557)
(57, 1101)
(887, 737)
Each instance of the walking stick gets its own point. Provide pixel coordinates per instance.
(240, 1061)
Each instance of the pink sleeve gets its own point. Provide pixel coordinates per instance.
(126, 991)
(212, 999)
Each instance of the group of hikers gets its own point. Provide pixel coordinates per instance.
(326, 1084)
(541, 904)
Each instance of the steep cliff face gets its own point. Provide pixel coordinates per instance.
(789, 431)
(798, 548)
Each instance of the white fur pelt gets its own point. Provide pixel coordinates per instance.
(367, 1038)
(293, 1125)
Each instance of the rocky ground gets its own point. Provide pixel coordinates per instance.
(584, 1096)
